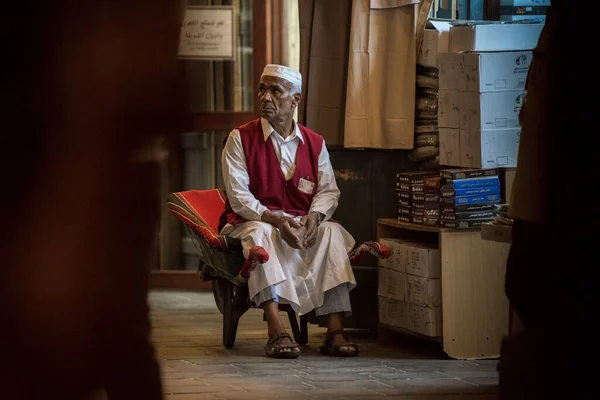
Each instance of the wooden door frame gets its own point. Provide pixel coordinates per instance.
(262, 16)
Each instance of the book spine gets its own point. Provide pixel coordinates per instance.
(469, 173)
(473, 182)
(475, 223)
(449, 192)
(476, 199)
(468, 215)
(451, 208)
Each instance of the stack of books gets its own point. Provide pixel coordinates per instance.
(468, 197)
(430, 214)
(410, 190)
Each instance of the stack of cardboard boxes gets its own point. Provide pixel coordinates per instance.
(410, 289)
(482, 80)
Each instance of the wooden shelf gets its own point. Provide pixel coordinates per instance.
(474, 306)
(393, 222)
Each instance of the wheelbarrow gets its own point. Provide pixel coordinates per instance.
(221, 259)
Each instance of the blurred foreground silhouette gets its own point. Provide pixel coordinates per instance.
(87, 88)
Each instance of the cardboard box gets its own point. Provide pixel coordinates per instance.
(435, 40)
(424, 320)
(391, 284)
(385, 263)
(397, 259)
(423, 291)
(495, 37)
(448, 109)
(449, 146)
(492, 110)
(393, 312)
(487, 149)
(424, 261)
(484, 72)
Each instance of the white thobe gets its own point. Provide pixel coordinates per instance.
(299, 277)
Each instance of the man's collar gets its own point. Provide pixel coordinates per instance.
(268, 129)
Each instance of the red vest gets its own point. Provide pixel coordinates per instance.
(267, 182)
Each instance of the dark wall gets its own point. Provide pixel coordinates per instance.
(366, 179)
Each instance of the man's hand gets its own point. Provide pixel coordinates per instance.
(286, 228)
(311, 222)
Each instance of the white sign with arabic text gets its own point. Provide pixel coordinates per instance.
(207, 33)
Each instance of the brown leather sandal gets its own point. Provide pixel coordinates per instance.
(335, 349)
(276, 349)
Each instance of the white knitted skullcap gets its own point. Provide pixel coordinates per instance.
(283, 72)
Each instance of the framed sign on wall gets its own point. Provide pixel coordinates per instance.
(207, 33)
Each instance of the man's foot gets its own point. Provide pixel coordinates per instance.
(281, 345)
(339, 345)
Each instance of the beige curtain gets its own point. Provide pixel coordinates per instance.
(358, 60)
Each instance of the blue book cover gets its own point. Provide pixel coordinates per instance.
(474, 182)
(476, 191)
(476, 199)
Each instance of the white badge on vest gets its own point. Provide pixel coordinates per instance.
(306, 185)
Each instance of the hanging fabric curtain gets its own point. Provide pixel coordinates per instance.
(324, 44)
(358, 60)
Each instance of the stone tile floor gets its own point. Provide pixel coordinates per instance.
(194, 364)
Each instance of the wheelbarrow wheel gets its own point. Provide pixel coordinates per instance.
(230, 317)
(218, 293)
(235, 304)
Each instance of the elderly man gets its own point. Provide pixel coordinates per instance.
(281, 195)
